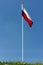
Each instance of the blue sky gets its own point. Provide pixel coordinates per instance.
(10, 31)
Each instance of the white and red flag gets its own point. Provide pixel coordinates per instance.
(27, 17)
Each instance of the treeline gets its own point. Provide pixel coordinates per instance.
(19, 63)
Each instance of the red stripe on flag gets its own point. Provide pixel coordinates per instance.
(27, 19)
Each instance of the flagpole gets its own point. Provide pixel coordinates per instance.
(22, 39)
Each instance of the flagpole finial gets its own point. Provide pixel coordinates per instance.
(22, 2)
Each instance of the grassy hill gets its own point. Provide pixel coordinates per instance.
(19, 63)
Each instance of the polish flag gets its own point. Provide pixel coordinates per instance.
(27, 17)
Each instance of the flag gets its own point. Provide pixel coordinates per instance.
(27, 17)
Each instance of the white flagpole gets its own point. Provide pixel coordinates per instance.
(22, 38)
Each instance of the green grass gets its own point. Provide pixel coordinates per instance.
(19, 63)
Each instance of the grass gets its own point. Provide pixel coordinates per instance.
(19, 63)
